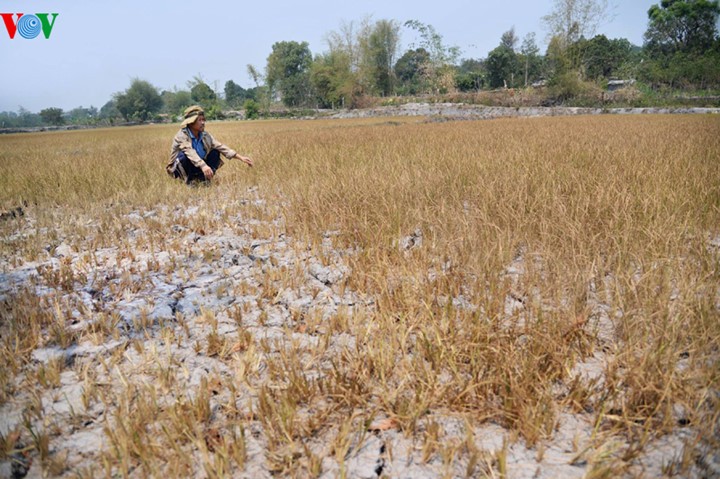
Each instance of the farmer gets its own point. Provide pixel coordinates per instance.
(195, 154)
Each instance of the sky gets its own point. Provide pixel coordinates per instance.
(96, 48)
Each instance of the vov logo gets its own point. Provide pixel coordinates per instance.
(28, 26)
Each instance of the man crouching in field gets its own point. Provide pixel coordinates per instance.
(195, 155)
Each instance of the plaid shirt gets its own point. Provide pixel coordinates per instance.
(183, 142)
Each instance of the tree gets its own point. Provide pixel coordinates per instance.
(23, 118)
(8, 119)
(682, 44)
(501, 64)
(82, 116)
(109, 111)
(28, 118)
(529, 58)
(348, 50)
(204, 95)
(471, 75)
(572, 19)
(556, 60)
(410, 70)
(261, 92)
(563, 78)
(175, 102)
(52, 116)
(378, 54)
(288, 72)
(432, 42)
(349, 39)
(509, 39)
(139, 102)
(332, 79)
(601, 57)
(439, 70)
(235, 95)
(567, 23)
(687, 26)
(502, 61)
(252, 109)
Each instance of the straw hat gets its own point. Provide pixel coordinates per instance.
(191, 113)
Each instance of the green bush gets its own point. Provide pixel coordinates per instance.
(568, 86)
(214, 112)
(252, 109)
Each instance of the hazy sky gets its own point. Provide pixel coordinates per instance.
(97, 47)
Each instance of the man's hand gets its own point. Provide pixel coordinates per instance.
(246, 159)
(208, 172)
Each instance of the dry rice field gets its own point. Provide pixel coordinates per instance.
(377, 297)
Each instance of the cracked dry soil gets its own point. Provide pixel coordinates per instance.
(213, 305)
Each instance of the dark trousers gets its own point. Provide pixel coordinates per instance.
(194, 173)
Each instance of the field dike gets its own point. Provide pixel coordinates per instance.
(157, 359)
(459, 111)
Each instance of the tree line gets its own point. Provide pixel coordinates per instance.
(681, 50)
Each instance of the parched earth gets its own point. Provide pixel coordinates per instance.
(206, 283)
